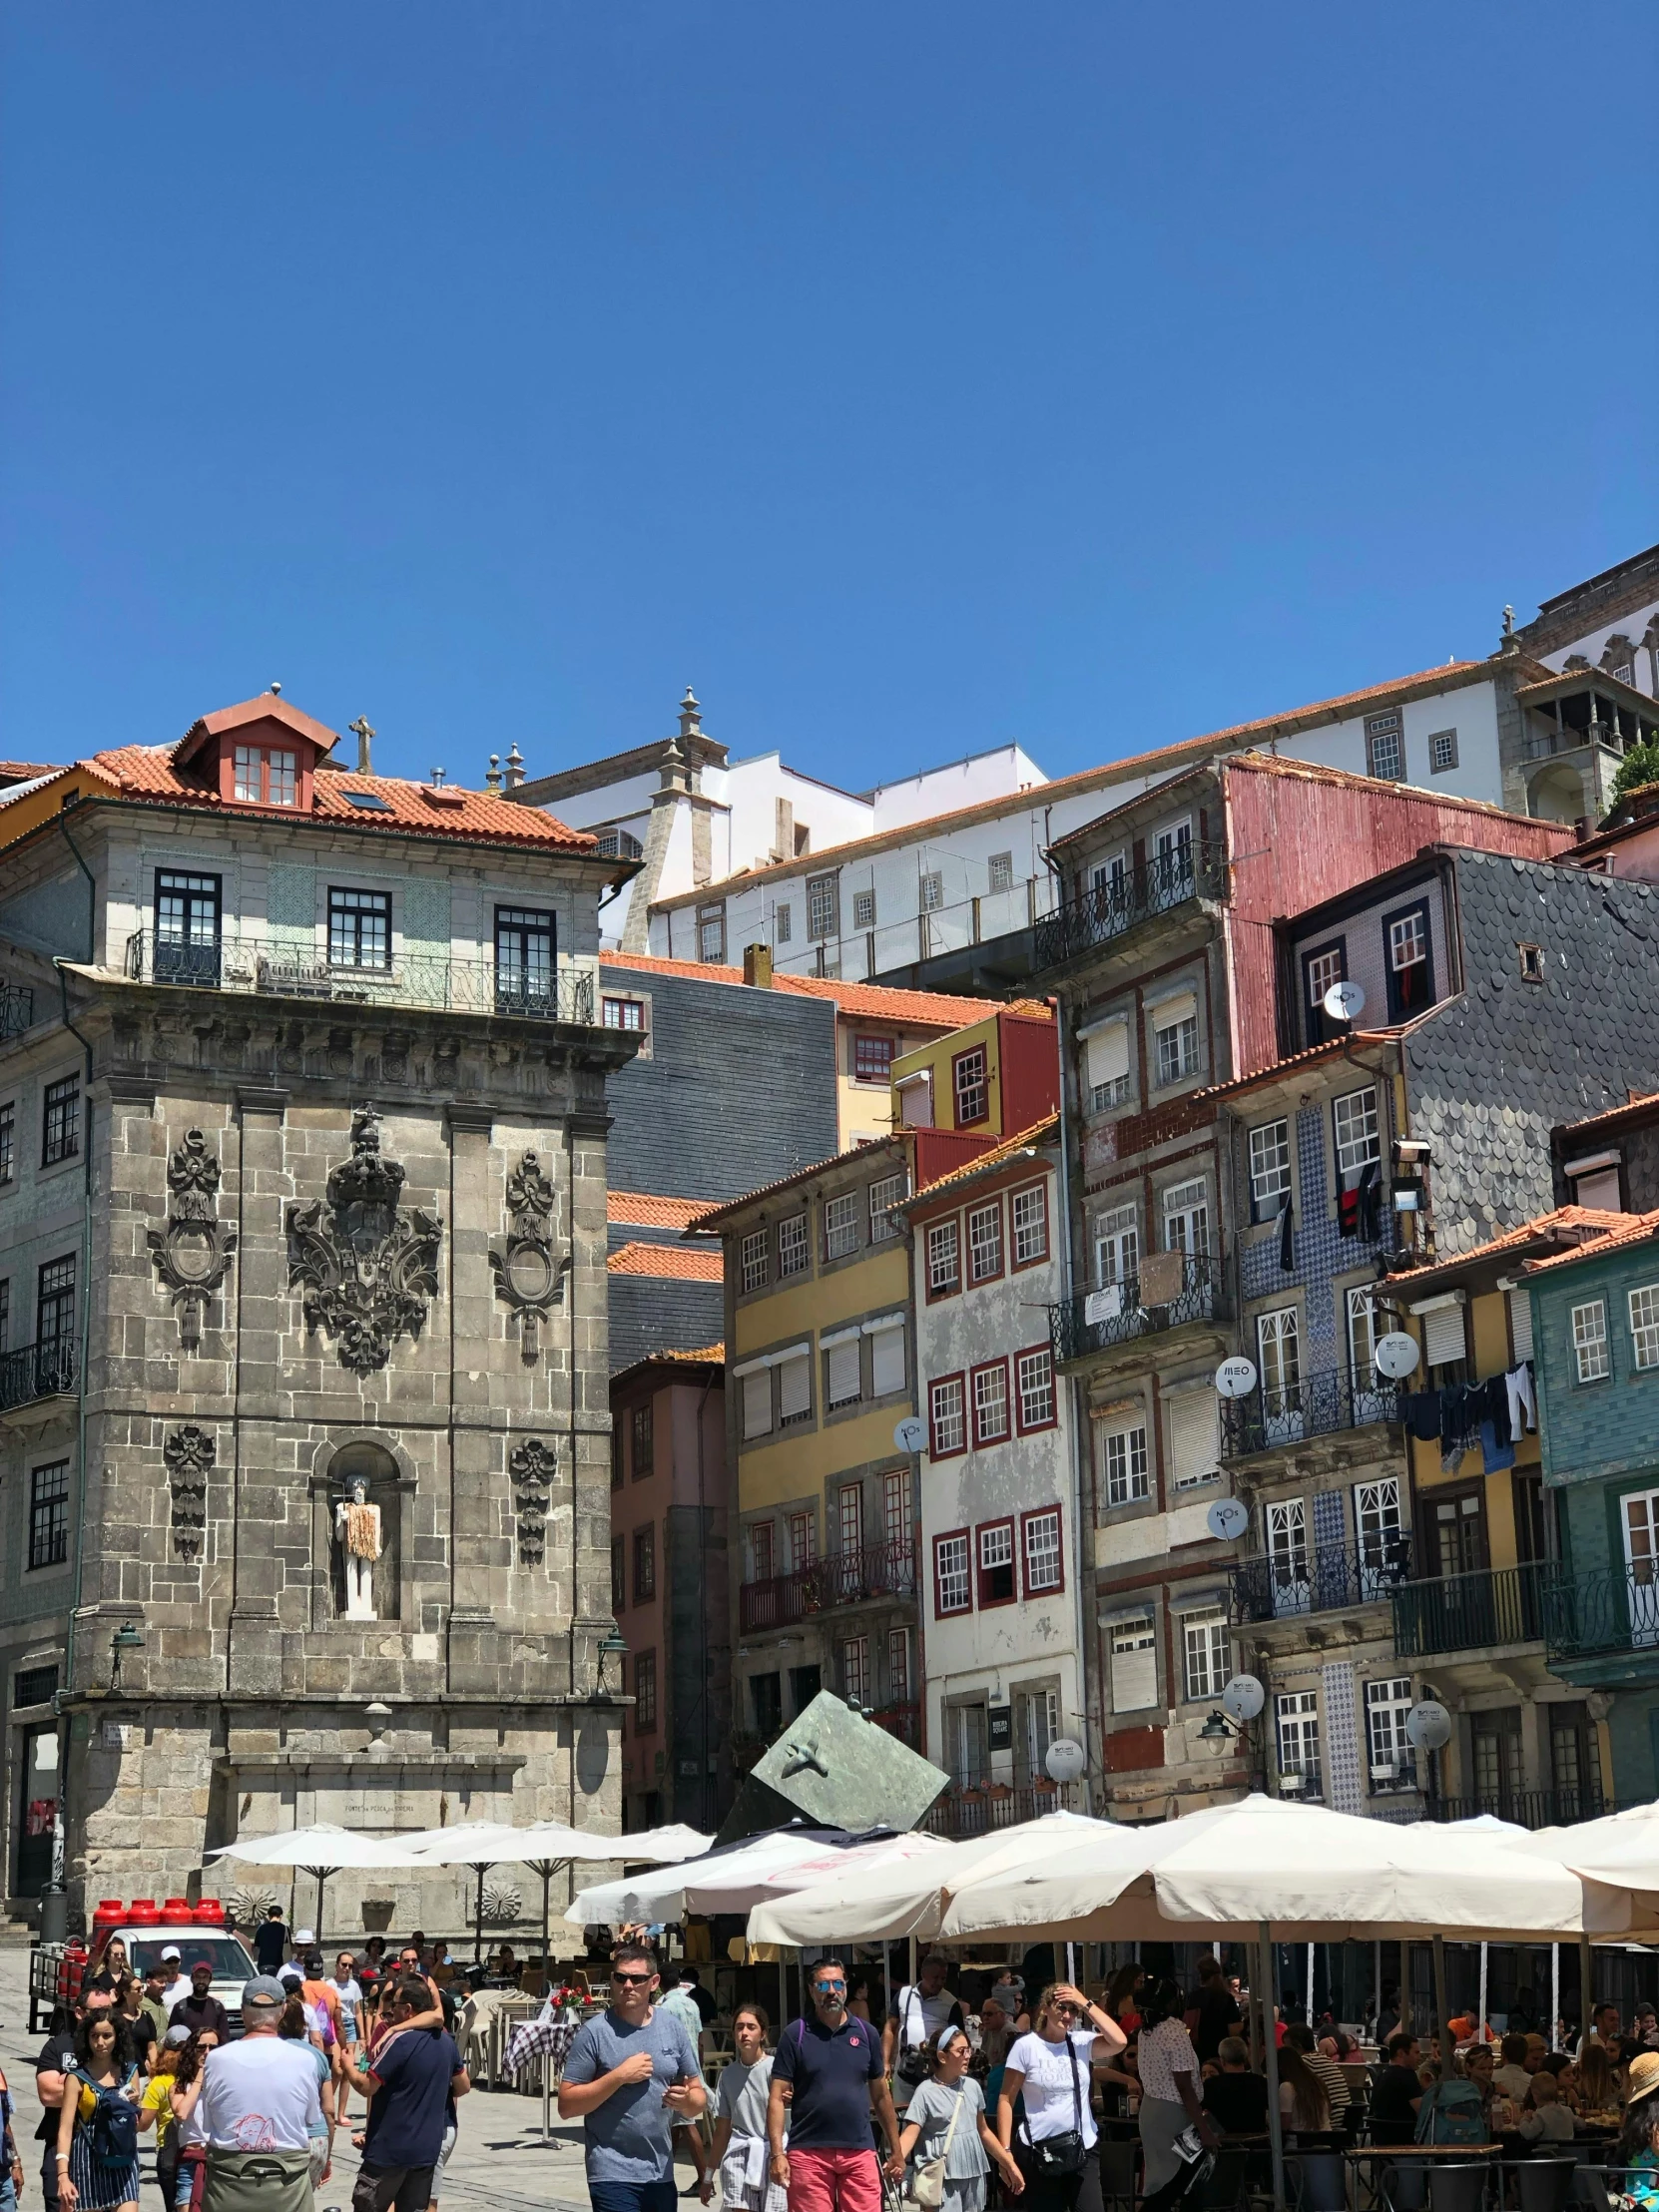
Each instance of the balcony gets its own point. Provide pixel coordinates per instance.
(1524, 1808)
(1173, 1288)
(1321, 1580)
(1302, 1782)
(1475, 1612)
(1605, 1612)
(432, 982)
(1288, 1413)
(978, 1809)
(1100, 916)
(35, 1371)
(886, 1570)
(902, 1721)
(17, 1010)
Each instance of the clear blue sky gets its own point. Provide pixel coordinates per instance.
(908, 377)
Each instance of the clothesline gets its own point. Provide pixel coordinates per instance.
(1494, 1414)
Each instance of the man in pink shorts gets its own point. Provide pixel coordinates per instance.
(833, 2064)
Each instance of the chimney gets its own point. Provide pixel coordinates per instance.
(757, 966)
(363, 731)
(515, 766)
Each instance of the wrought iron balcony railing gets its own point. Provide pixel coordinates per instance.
(1171, 1289)
(433, 981)
(1605, 1611)
(17, 1010)
(977, 1809)
(845, 1579)
(37, 1371)
(902, 1721)
(1320, 1578)
(1303, 1782)
(1288, 1414)
(1139, 893)
(1470, 1612)
(1556, 1808)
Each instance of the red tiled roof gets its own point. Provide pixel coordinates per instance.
(643, 1210)
(998, 1156)
(705, 1221)
(918, 1009)
(1611, 1116)
(667, 1259)
(1631, 1229)
(148, 773)
(1309, 1056)
(20, 772)
(1565, 1222)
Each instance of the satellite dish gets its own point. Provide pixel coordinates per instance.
(1428, 1725)
(1227, 1520)
(1236, 1378)
(1396, 1354)
(1065, 1758)
(1345, 1002)
(1243, 1697)
(910, 1436)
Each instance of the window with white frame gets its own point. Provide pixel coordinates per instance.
(1106, 1062)
(1644, 1325)
(863, 910)
(985, 1241)
(1285, 1523)
(1279, 1358)
(996, 1564)
(1379, 1537)
(1389, 1704)
(972, 1080)
(1124, 1452)
(1408, 940)
(1443, 752)
(1363, 1332)
(884, 1197)
(1324, 969)
(1385, 748)
(1187, 1218)
(753, 1258)
(897, 1511)
(1134, 1664)
(898, 1665)
(783, 924)
(823, 918)
(1589, 1340)
(1001, 871)
(1205, 1660)
(1270, 1168)
(944, 1257)
(946, 1416)
(1297, 1715)
(841, 1225)
(759, 1551)
(856, 1670)
(953, 1593)
(1107, 877)
(1044, 1567)
(1354, 1116)
(1036, 1373)
(756, 1402)
(932, 891)
(803, 1541)
(990, 1404)
(710, 935)
(1030, 1218)
(1176, 1048)
(791, 1245)
(1117, 1245)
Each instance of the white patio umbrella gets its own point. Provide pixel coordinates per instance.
(320, 1850)
(660, 1845)
(664, 1893)
(542, 1845)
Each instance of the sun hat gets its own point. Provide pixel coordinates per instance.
(1643, 2077)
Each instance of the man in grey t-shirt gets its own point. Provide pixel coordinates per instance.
(631, 2076)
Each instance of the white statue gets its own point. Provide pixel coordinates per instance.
(358, 1524)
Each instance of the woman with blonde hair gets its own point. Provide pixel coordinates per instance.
(1057, 2149)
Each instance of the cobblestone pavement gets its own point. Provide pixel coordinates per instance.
(500, 2163)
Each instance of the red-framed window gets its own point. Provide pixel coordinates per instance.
(993, 1551)
(952, 1573)
(970, 1086)
(1042, 1551)
(948, 1416)
(984, 1230)
(944, 1257)
(263, 774)
(1036, 1405)
(1029, 1226)
(871, 1059)
(992, 1420)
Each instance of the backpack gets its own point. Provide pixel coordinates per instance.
(114, 2123)
(1450, 2113)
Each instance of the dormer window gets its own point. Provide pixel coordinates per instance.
(267, 776)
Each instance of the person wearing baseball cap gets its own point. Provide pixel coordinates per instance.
(202, 2012)
(257, 2104)
(178, 1981)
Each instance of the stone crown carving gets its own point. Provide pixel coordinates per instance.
(192, 1253)
(190, 1453)
(368, 1269)
(529, 1278)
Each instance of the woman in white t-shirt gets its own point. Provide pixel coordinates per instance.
(1056, 2147)
(1170, 2101)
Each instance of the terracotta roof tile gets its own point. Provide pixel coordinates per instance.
(669, 1261)
(1309, 1056)
(924, 1010)
(711, 1215)
(986, 1162)
(1631, 1229)
(1564, 1222)
(643, 1210)
(1610, 1117)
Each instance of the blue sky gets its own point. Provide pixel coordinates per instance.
(907, 377)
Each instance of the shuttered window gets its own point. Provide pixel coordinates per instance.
(757, 1403)
(1443, 1335)
(794, 1389)
(887, 1351)
(1194, 1441)
(843, 1373)
(1521, 1322)
(1134, 1665)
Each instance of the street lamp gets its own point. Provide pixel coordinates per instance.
(1218, 1729)
(127, 1637)
(614, 1646)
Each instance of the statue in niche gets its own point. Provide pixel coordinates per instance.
(358, 1527)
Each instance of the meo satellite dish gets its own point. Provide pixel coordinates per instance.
(1236, 1378)
(1243, 1697)
(1345, 1002)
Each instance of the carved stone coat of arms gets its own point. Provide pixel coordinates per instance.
(369, 1268)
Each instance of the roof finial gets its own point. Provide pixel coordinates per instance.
(690, 726)
(363, 731)
(276, 689)
(492, 775)
(515, 766)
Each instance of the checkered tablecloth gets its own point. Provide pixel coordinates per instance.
(549, 2039)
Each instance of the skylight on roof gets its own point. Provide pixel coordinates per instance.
(369, 802)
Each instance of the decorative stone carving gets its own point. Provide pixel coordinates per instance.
(358, 1530)
(532, 1468)
(192, 1253)
(189, 1453)
(370, 1270)
(528, 1276)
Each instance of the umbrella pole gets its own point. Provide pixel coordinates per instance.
(546, 1924)
(316, 1937)
(1480, 2008)
(1554, 1997)
(1441, 2017)
(1309, 2015)
(1270, 2052)
(1584, 2005)
(478, 1931)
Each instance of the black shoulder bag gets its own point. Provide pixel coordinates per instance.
(1061, 2154)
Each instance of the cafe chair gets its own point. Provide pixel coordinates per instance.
(1458, 2188)
(1405, 2184)
(1117, 2172)
(1319, 2180)
(1226, 2188)
(1590, 2186)
(1545, 2184)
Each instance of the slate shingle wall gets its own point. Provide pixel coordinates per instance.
(656, 1314)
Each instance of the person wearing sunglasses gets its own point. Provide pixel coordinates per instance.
(833, 2067)
(631, 2076)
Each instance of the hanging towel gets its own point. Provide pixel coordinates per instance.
(1348, 1210)
(1495, 1452)
(1422, 1416)
(1367, 1197)
(1287, 1259)
(1517, 1386)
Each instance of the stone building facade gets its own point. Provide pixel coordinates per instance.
(307, 1428)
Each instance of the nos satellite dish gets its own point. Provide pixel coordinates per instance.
(1065, 1758)
(1227, 1520)
(1243, 1697)
(1396, 1354)
(1428, 1725)
(1236, 1378)
(910, 1436)
(1345, 1002)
